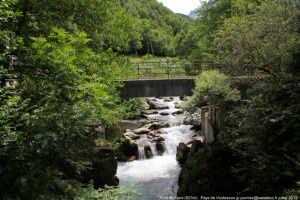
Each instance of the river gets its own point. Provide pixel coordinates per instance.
(157, 178)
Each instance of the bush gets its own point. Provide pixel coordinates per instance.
(132, 108)
(212, 88)
(264, 133)
(109, 193)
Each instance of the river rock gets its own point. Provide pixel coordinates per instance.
(159, 139)
(158, 125)
(143, 122)
(193, 119)
(152, 135)
(114, 181)
(127, 149)
(104, 167)
(131, 135)
(196, 146)
(182, 153)
(160, 148)
(189, 144)
(148, 152)
(131, 159)
(150, 112)
(196, 128)
(162, 132)
(157, 105)
(168, 99)
(141, 131)
(151, 99)
(145, 105)
(198, 137)
(128, 124)
(164, 113)
(178, 105)
(178, 112)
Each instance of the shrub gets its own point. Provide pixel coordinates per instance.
(212, 88)
(132, 108)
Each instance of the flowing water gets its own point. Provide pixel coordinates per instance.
(156, 178)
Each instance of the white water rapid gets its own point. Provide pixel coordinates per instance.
(156, 178)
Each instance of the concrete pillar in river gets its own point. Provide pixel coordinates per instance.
(210, 123)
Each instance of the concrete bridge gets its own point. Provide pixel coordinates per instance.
(157, 87)
(148, 81)
(175, 86)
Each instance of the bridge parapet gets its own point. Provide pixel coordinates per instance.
(179, 69)
(175, 87)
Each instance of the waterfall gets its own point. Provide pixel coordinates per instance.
(158, 174)
(141, 152)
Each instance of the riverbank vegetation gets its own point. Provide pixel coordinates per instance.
(58, 64)
(256, 150)
(59, 61)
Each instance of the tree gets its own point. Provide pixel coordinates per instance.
(264, 40)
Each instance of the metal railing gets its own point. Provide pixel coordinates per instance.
(177, 69)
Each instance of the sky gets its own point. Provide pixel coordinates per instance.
(181, 6)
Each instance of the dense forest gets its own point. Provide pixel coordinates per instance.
(257, 147)
(59, 61)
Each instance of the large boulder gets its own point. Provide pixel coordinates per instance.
(178, 112)
(157, 105)
(141, 131)
(159, 139)
(162, 132)
(145, 105)
(129, 124)
(127, 149)
(158, 125)
(148, 152)
(131, 135)
(182, 153)
(164, 113)
(178, 105)
(152, 135)
(196, 146)
(124, 125)
(168, 99)
(193, 119)
(151, 99)
(160, 148)
(104, 167)
(150, 112)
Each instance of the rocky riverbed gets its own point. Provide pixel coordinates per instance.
(152, 168)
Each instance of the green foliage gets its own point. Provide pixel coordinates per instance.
(74, 73)
(133, 108)
(212, 88)
(119, 193)
(57, 78)
(150, 66)
(195, 43)
(107, 23)
(197, 177)
(268, 146)
(263, 40)
(64, 87)
(158, 26)
(262, 133)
